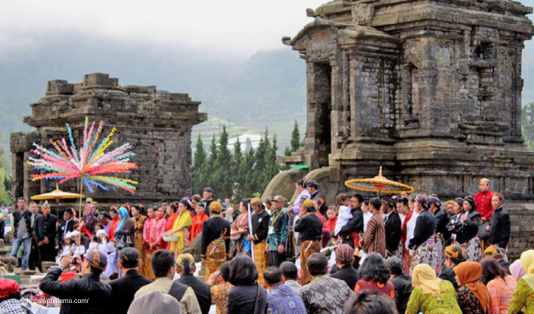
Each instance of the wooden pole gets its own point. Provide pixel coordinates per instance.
(80, 209)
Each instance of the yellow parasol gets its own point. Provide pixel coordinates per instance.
(57, 194)
(378, 184)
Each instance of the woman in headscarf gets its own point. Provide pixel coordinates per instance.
(423, 244)
(139, 220)
(468, 236)
(240, 230)
(524, 292)
(516, 270)
(430, 294)
(182, 222)
(89, 221)
(125, 228)
(472, 295)
(501, 286)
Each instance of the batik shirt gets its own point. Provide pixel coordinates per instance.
(219, 296)
(282, 299)
(278, 229)
(325, 295)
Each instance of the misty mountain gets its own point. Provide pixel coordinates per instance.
(267, 90)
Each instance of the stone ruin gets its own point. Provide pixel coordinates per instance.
(431, 91)
(156, 123)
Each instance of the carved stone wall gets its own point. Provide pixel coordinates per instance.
(429, 90)
(156, 123)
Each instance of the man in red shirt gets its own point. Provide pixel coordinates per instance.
(483, 200)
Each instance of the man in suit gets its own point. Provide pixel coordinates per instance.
(45, 232)
(393, 226)
(124, 288)
(35, 254)
(344, 260)
(66, 226)
(185, 267)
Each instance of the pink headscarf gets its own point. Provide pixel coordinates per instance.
(516, 269)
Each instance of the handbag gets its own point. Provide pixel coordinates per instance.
(482, 233)
(122, 242)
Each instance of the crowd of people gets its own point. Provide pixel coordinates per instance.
(406, 254)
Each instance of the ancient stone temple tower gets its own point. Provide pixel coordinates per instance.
(157, 123)
(430, 90)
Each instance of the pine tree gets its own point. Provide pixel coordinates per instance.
(237, 176)
(295, 137)
(211, 166)
(224, 163)
(287, 151)
(199, 156)
(246, 185)
(199, 164)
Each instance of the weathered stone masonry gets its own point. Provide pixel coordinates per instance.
(157, 123)
(430, 90)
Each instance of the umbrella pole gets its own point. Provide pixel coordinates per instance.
(80, 209)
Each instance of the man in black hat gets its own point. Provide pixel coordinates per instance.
(124, 288)
(207, 199)
(401, 282)
(316, 195)
(86, 295)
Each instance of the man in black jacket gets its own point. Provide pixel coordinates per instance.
(86, 295)
(66, 226)
(21, 222)
(500, 223)
(393, 226)
(316, 195)
(124, 288)
(207, 199)
(45, 231)
(344, 260)
(185, 267)
(402, 283)
(2, 228)
(260, 227)
(355, 224)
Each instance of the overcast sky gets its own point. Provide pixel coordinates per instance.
(233, 27)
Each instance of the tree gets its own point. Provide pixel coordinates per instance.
(199, 164)
(237, 176)
(223, 165)
(246, 185)
(527, 124)
(287, 151)
(295, 137)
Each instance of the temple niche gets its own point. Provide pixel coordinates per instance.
(156, 123)
(430, 91)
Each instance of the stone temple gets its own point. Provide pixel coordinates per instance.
(156, 123)
(430, 90)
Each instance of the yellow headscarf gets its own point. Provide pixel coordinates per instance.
(527, 261)
(425, 277)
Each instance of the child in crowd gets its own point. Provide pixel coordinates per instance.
(344, 215)
(331, 213)
(68, 247)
